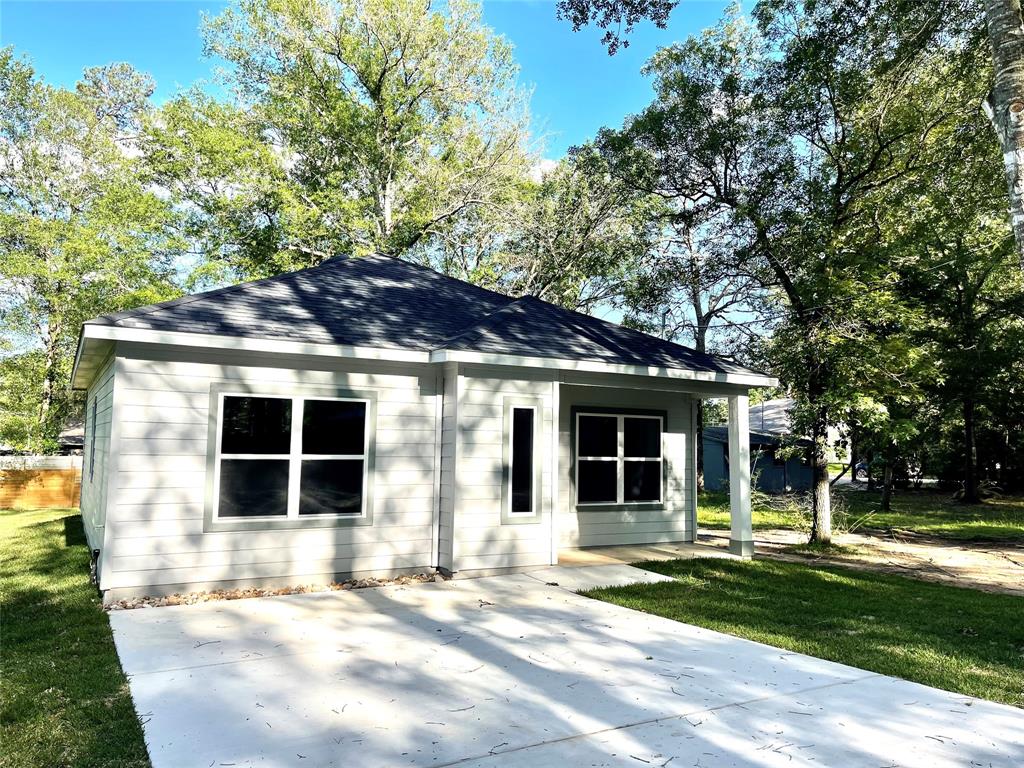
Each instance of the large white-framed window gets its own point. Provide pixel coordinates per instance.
(619, 458)
(281, 457)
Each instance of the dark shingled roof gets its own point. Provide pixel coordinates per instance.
(377, 301)
(720, 433)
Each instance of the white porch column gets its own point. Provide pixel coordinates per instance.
(741, 540)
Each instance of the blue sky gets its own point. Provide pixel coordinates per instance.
(577, 87)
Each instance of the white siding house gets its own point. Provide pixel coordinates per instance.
(372, 417)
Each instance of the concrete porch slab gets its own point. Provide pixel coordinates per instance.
(577, 578)
(638, 553)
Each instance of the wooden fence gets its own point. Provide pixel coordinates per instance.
(36, 482)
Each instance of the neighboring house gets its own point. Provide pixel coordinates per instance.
(69, 440)
(371, 416)
(775, 417)
(770, 428)
(72, 437)
(770, 471)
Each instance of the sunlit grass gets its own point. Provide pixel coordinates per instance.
(929, 513)
(64, 700)
(957, 639)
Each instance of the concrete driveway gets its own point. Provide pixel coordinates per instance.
(511, 671)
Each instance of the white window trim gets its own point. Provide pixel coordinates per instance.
(295, 457)
(620, 459)
(534, 490)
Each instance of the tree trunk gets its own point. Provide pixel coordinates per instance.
(970, 495)
(821, 502)
(49, 374)
(1005, 103)
(887, 480)
(700, 446)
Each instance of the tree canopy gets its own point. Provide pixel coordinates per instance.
(82, 232)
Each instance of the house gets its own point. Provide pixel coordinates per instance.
(771, 471)
(771, 427)
(371, 416)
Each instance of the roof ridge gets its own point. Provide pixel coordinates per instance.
(431, 270)
(483, 323)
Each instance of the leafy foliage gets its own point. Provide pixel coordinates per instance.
(81, 231)
(356, 127)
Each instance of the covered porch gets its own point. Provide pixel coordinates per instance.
(590, 529)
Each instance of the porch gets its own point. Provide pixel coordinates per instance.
(636, 553)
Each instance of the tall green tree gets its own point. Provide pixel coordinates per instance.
(578, 234)
(355, 126)
(906, 28)
(946, 233)
(81, 231)
(789, 136)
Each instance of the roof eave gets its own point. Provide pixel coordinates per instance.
(114, 333)
(747, 379)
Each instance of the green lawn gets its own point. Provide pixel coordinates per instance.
(925, 512)
(957, 639)
(64, 699)
(713, 512)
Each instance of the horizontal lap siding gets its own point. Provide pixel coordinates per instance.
(600, 527)
(158, 493)
(94, 482)
(482, 541)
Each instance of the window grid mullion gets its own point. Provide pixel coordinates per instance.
(620, 479)
(295, 458)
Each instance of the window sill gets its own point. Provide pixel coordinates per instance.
(633, 506)
(284, 524)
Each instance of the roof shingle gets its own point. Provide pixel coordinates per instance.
(378, 301)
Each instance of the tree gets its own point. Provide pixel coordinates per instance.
(81, 232)
(909, 27)
(689, 292)
(355, 127)
(789, 136)
(946, 232)
(1005, 102)
(577, 235)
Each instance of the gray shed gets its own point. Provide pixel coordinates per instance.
(769, 472)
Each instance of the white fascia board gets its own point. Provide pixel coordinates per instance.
(480, 358)
(78, 358)
(251, 344)
(279, 346)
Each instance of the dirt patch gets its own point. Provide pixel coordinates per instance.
(989, 566)
(190, 598)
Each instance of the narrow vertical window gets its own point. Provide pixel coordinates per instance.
(521, 470)
(92, 439)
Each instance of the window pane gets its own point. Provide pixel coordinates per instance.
(522, 460)
(253, 488)
(331, 487)
(598, 436)
(334, 426)
(642, 438)
(597, 482)
(256, 425)
(642, 481)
